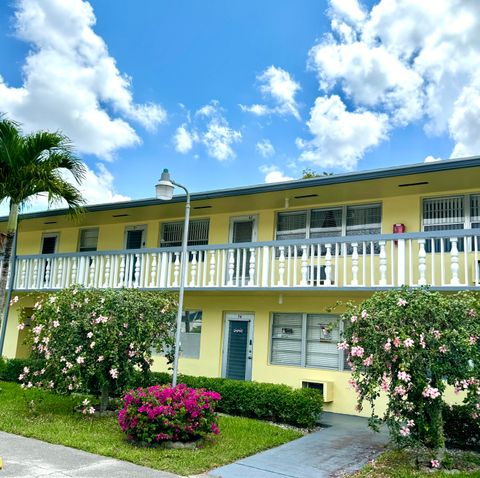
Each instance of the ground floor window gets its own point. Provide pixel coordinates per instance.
(306, 340)
(190, 333)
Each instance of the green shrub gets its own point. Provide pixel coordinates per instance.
(10, 369)
(460, 428)
(264, 401)
(3, 366)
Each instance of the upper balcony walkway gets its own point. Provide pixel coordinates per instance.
(446, 259)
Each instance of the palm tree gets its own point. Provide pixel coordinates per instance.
(29, 165)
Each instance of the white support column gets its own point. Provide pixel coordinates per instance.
(106, 281)
(231, 266)
(454, 262)
(422, 260)
(164, 259)
(23, 274)
(401, 262)
(251, 269)
(153, 271)
(281, 267)
(304, 280)
(35, 272)
(121, 282)
(73, 271)
(383, 264)
(136, 272)
(91, 271)
(211, 280)
(265, 265)
(328, 264)
(354, 280)
(176, 269)
(58, 284)
(48, 265)
(193, 271)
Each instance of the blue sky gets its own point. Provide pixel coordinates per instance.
(376, 102)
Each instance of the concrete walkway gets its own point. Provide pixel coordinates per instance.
(30, 458)
(343, 446)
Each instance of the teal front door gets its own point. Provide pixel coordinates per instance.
(237, 357)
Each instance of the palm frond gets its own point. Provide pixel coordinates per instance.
(35, 163)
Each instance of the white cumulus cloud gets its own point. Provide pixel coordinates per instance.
(265, 148)
(340, 137)
(273, 174)
(279, 89)
(210, 128)
(401, 62)
(431, 159)
(71, 82)
(184, 139)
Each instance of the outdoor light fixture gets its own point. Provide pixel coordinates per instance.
(164, 190)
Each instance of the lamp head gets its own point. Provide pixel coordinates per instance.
(164, 187)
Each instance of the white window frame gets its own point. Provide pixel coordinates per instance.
(344, 209)
(163, 224)
(47, 235)
(467, 218)
(467, 205)
(234, 219)
(139, 227)
(303, 342)
(80, 237)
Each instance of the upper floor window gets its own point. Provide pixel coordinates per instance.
(447, 213)
(88, 240)
(172, 233)
(49, 243)
(330, 222)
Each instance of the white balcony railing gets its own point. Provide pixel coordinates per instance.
(439, 259)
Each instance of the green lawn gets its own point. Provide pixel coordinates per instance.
(401, 464)
(51, 419)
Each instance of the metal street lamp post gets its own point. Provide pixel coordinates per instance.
(164, 190)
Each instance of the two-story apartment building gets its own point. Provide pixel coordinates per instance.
(267, 262)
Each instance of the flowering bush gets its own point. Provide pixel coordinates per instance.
(156, 414)
(410, 344)
(92, 341)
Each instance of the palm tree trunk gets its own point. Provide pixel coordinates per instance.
(5, 290)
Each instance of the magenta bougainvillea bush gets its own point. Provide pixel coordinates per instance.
(410, 345)
(162, 413)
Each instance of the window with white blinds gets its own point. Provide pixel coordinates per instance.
(287, 337)
(306, 340)
(172, 233)
(291, 225)
(330, 222)
(88, 240)
(321, 343)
